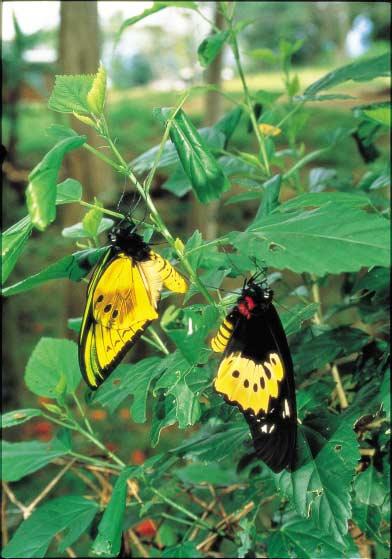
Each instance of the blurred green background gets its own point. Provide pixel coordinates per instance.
(151, 65)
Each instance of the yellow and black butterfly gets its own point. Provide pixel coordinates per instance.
(256, 374)
(122, 299)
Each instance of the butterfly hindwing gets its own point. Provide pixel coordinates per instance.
(256, 374)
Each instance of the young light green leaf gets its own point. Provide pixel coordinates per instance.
(13, 241)
(74, 267)
(60, 132)
(41, 191)
(22, 459)
(53, 367)
(378, 112)
(206, 176)
(18, 416)
(79, 231)
(108, 540)
(211, 46)
(348, 237)
(129, 380)
(70, 93)
(266, 55)
(97, 94)
(33, 536)
(69, 191)
(361, 70)
(93, 218)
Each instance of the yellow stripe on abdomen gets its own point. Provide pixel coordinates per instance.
(221, 339)
(171, 279)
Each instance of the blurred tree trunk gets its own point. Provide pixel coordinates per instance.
(79, 51)
(205, 217)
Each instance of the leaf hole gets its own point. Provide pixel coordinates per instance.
(338, 448)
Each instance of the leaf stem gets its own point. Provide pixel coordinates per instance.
(158, 340)
(82, 413)
(103, 157)
(103, 210)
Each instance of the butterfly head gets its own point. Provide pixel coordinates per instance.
(124, 238)
(255, 297)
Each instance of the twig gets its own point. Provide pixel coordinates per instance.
(231, 518)
(69, 550)
(13, 498)
(86, 480)
(29, 509)
(4, 528)
(137, 543)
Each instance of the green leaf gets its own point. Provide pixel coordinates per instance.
(266, 97)
(376, 280)
(348, 237)
(369, 487)
(97, 94)
(79, 231)
(108, 540)
(178, 183)
(385, 393)
(41, 191)
(368, 519)
(319, 487)
(69, 191)
(206, 176)
(53, 368)
(13, 241)
(18, 416)
(182, 550)
(270, 199)
(93, 218)
(292, 320)
(267, 55)
(327, 347)
(211, 46)
(33, 536)
(378, 112)
(229, 122)
(300, 538)
(216, 443)
(60, 132)
(213, 138)
(362, 70)
(22, 459)
(74, 267)
(164, 415)
(129, 380)
(320, 178)
(191, 249)
(215, 474)
(70, 93)
(247, 536)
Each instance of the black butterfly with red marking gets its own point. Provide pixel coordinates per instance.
(256, 374)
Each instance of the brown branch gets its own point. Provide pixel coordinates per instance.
(137, 543)
(69, 550)
(4, 527)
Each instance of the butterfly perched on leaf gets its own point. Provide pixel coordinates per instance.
(256, 374)
(122, 299)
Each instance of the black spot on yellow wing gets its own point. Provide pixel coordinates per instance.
(245, 383)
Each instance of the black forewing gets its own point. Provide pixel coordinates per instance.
(256, 338)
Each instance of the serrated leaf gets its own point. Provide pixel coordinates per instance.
(78, 231)
(108, 541)
(97, 94)
(129, 380)
(18, 416)
(13, 241)
(347, 237)
(33, 536)
(211, 46)
(70, 93)
(41, 191)
(361, 70)
(300, 538)
(74, 267)
(52, 363)
(369, 487)
(204, 172)
(319, 487)
(22, 459)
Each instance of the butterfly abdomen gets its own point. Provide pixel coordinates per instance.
(221, 339)
(171, 278)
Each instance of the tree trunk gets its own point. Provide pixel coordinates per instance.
(205, 217)
(79, 50)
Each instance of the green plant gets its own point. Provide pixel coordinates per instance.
(328, 229)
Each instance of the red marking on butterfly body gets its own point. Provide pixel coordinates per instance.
(246, 306)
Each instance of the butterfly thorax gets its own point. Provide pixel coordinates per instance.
(124, 239)
(254, 300)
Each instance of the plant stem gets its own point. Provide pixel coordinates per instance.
(82, 413)
(94, 461)
(103, 210)
(318, 318)
(101, 446)
(160, 343)
(103, 157)
(247, 97)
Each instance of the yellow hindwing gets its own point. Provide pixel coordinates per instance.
(248, 384)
